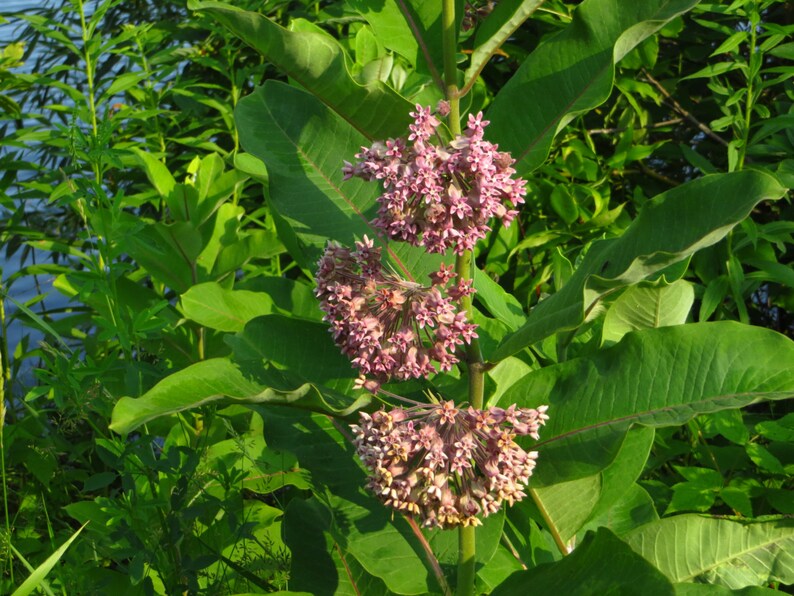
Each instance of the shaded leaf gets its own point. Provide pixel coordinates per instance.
(320, 565)
(634, 508)
(380, 541)
(602, 564)
(302, 349)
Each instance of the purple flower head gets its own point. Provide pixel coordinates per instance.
(445, 464)
(387, 326)
(440, 197)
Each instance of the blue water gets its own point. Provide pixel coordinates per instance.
(23, 288)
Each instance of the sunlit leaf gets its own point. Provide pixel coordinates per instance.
(671, 227)
(317, 61)
(571, 72)
(734, 554)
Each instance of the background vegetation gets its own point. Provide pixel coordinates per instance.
(129, 205)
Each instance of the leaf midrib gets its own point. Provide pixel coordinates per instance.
(336, 188)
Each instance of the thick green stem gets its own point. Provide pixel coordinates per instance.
(463, 268)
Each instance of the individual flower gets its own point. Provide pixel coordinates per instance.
(445, 464)
(389, 327)
(440, 196)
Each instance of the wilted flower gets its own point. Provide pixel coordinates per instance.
(440, 197)
(445, 464)
(388, 326)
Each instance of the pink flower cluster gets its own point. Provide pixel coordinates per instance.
(440, 197)
(445, 464)
(390, 327)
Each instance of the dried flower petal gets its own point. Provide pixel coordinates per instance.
(447, 465)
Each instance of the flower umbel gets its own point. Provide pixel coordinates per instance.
(388, 326)
(445, 464)
(440, 197)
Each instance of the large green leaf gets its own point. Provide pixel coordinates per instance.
(570, 505)
(303, 144)
(211, 381)
(635, 507)
(656, 377)
(719, 551)
(603, 564)
(303, 350)
(648, 305)
(671, 227)
(570, 73)
(687, 589)
(317, 61)
(213, 306)
(382, 542)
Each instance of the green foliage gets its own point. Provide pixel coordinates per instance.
(167, 185)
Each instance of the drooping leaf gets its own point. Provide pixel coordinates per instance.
(320, 65)
(304, 145)
(735, 554)
(671, 227)
(570, 73)
(602, 564)
(648, 305)
(211, 381)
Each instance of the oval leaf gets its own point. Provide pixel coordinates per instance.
(304, 144)
(660, 377)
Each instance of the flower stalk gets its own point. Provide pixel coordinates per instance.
(447, 464)
(463, 267)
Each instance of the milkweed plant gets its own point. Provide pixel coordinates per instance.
(452, 431)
